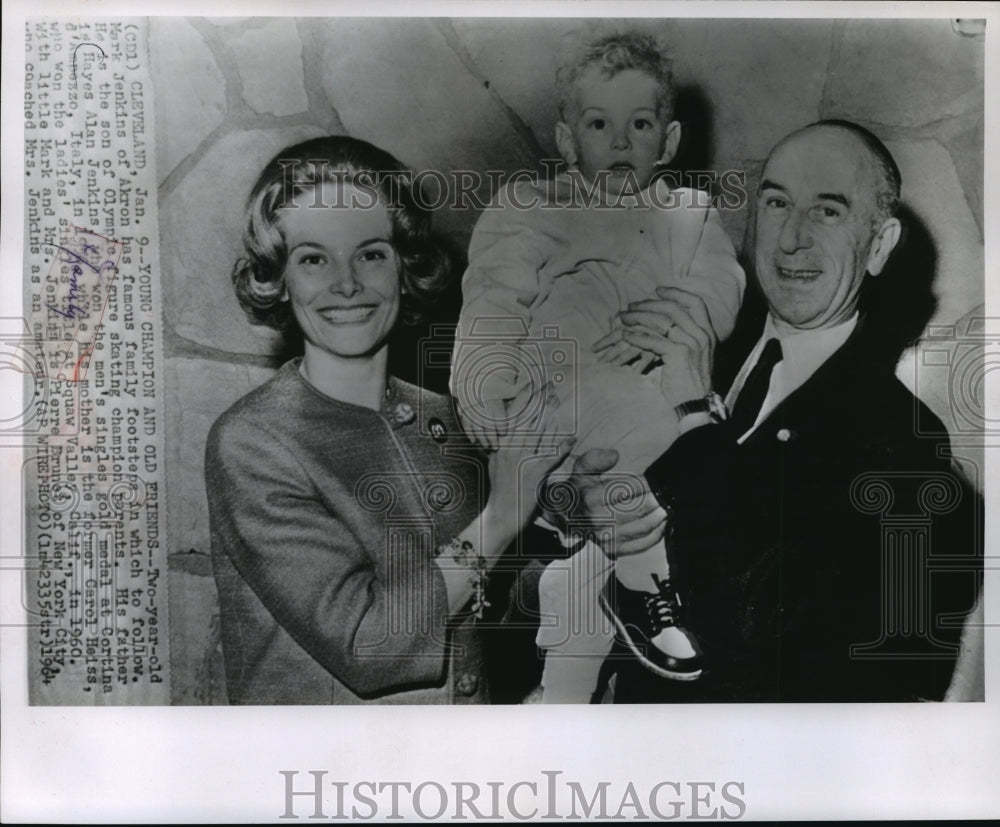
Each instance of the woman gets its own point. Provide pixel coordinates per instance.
(351, 534)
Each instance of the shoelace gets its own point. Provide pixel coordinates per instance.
(662, 606)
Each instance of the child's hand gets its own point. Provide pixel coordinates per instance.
(615, 349)
(485, 423)
(485, 411)
(676, 326)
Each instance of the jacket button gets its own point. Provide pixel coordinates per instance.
(437, 430)
(467, 685)
(784, 435)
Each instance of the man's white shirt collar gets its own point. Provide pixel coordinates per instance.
(802, 353)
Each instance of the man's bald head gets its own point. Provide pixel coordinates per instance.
(887, 179)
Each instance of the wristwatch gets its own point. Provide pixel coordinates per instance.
(711, 404)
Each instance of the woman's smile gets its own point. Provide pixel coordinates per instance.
(355, 315)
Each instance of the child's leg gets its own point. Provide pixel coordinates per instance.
(639, 431)
(574, 632)
(640, 599)
(613, 408)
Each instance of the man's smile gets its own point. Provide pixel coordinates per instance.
(798, 273)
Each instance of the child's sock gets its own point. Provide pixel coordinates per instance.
(569, 679)
(634, 570)
(574, 632)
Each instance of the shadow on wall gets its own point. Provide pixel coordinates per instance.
(421, 353)
(693, 110)
(901, 301)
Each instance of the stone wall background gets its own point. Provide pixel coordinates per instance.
(477, 94)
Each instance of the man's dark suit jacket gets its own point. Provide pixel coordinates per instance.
(832, 555)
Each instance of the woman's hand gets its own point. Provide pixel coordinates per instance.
(521, 463)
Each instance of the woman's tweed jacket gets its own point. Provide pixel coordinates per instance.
(326, 518)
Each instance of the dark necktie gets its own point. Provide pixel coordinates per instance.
(754, 390)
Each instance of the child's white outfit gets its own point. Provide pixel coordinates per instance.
(547, 277)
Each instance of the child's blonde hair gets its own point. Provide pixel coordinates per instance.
(613, 54)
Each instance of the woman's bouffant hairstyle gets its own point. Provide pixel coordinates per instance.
(258, 277)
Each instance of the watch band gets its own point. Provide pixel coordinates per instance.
(711, 404)
(690, 407)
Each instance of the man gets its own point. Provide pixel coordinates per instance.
(824, 547)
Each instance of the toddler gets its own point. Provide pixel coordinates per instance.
(550, 267)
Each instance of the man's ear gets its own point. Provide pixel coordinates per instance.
(882, 245)
(671, 140)
(284, 294)
(566, 143)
